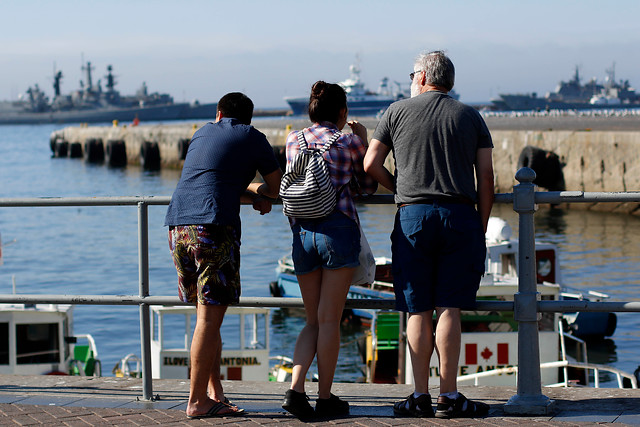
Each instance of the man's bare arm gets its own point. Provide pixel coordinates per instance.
(260, 194)
(484, 178)
(269, 188)
(374, 164)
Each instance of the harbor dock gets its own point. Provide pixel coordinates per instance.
(592, 152)
(74, 401)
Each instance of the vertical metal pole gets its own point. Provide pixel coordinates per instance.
(143, 271)
(402, 343)
(529, 400)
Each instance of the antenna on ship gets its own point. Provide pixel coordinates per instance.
(611, 75)
(576, 75)
(111, 80)
(57, 78)
(88, 69)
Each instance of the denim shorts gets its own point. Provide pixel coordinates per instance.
(332, 242)
(438, 256)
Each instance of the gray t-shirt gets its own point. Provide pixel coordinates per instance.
(434, 140)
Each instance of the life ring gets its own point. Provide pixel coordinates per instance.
(116, 153)
(62, 148)
(75, 150)
(93, 150)
(150, 156)
(546, 165)
(183, 148)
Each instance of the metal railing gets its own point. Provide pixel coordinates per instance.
(526, 305)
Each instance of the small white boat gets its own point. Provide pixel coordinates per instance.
(37, 339)
(245, 344)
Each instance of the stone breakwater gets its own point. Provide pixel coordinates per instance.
(599, 153)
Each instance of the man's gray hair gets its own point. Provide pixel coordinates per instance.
(439, 70)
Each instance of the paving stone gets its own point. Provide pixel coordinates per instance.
(7, 398)
(117, 401)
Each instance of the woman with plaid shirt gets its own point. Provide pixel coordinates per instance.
(325, 250)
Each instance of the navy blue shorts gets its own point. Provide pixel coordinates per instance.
(332, 242)
(438, 253)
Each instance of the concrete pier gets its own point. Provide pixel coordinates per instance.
(64, 400)
(598, 153)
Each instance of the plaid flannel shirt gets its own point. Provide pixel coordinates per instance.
(344, 160)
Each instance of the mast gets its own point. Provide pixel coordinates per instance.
(88, 69)
(111, 81)
(57, 78)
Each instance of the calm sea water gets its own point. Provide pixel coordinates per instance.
(93, 250)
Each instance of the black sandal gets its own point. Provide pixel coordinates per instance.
(461, 407)
(414, 407)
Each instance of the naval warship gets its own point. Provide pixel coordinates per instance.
(91, 104)
(573, 95)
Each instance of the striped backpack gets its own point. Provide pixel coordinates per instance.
(306, 189)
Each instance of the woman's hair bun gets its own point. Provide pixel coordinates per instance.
(326, 102)
(318, 89)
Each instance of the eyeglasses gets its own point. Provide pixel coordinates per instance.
(412, 75)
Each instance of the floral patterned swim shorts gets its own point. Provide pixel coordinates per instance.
(207, 259)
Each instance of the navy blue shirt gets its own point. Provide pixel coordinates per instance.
(221, 162)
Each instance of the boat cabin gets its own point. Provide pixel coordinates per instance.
(245, 343)
(35, 339)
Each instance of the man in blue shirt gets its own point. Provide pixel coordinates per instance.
(204, 234)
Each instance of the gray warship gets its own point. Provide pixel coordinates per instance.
(573, 95)
(91, 104)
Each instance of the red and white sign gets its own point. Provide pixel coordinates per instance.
(485, 351)
(479, 353)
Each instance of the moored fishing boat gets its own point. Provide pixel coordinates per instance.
(37, 339)
(245, 344)
(489, 352)
(501, 266)
(489, 339)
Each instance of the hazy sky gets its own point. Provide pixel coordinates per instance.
(197, 49)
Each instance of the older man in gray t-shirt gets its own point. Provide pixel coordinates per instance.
(443, 170)
(434, 139)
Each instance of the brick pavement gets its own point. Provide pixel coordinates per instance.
(78, 401)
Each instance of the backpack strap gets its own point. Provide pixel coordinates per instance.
(333, 139)
(303, 142)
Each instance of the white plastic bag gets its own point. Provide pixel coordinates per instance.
(366, 272)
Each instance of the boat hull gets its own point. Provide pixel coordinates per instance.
(181, 111)
(300, 106)
(287, 286)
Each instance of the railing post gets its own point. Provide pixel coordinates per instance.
(143, 271)
(529, 400)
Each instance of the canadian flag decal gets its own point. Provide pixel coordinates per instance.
(471, 354)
